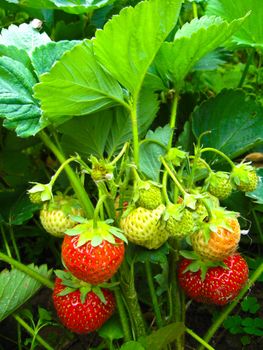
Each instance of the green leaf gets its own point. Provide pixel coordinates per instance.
(112, 329)
(88, 135)
(17, 55)
(132, 345)
(193, 41)
(16, 288)
(233, 324)
(235, 120)
(22, 210)
(251, 32)
(74, 7)
(129, 42)
(250, 304)
(44, 56)
(16, 102)
(163, 336)
(150, 152)
(23, 37)
(69, 90)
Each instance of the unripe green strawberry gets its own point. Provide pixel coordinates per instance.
(145, 227)
(200, 210)
(149, 195)
(219, 185)
(218, 238)
(179, 220)
(244, 177)
(54, 215)
(35, 198)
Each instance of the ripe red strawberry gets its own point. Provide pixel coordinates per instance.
(220, 285)
(93, 254)
(82, 315)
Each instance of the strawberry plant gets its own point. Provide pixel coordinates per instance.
(130, 156)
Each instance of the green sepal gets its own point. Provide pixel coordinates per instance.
(78, 219)
(176, 156)
(45, 191)
(240, 173)
(203, 266)
(97, 290)
(84, 291)
(190, 200)
(109, 285)
(96, 235)
(66, 291)
(189, 254)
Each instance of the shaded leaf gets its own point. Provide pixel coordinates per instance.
(129, 42)
(112, 329)
(132, 345)
(151, 152)
(235, 120)
(257, 195)
(17, 55)
(163, 336)
(16, 288)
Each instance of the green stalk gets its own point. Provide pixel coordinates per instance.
(223, 155)
(245, 71)
(122, 313)
(227, 310)
(173, 118)
(32, 332)
(14, 243)
(155, 303)
(74, 180)
(199, 339)
(176, 181)
(135, 134)
(131, 299)
(7, 248)
(195, 11)
(30, 272)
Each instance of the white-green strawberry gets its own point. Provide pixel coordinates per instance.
(145, 227)
(147, 194)
(55, 214)
(244, 177)
(179, 220)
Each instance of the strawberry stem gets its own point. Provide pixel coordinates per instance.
(155, 303)
(99, 205)
(199, 339)
(223, 155)
(118, 157)
(176, 181)
(164, 187)
(27, 270)
(74, 180)
(32, 332)
(227, 310)
(173, 117)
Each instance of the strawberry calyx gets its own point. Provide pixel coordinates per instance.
(72, 284)
(96, 234)
(219, 218)
(101, 170)
(199, 264)
(176, 156)
(43, 192)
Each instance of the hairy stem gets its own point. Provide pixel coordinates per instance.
(32, 332)
(227, 310)
(27, 270)
(156, 307)
(135, 134)
(122, 313)
(223, 155)
(173, 118)
(73, 178)
(245, 71)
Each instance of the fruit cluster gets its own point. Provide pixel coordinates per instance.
(93, 249)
